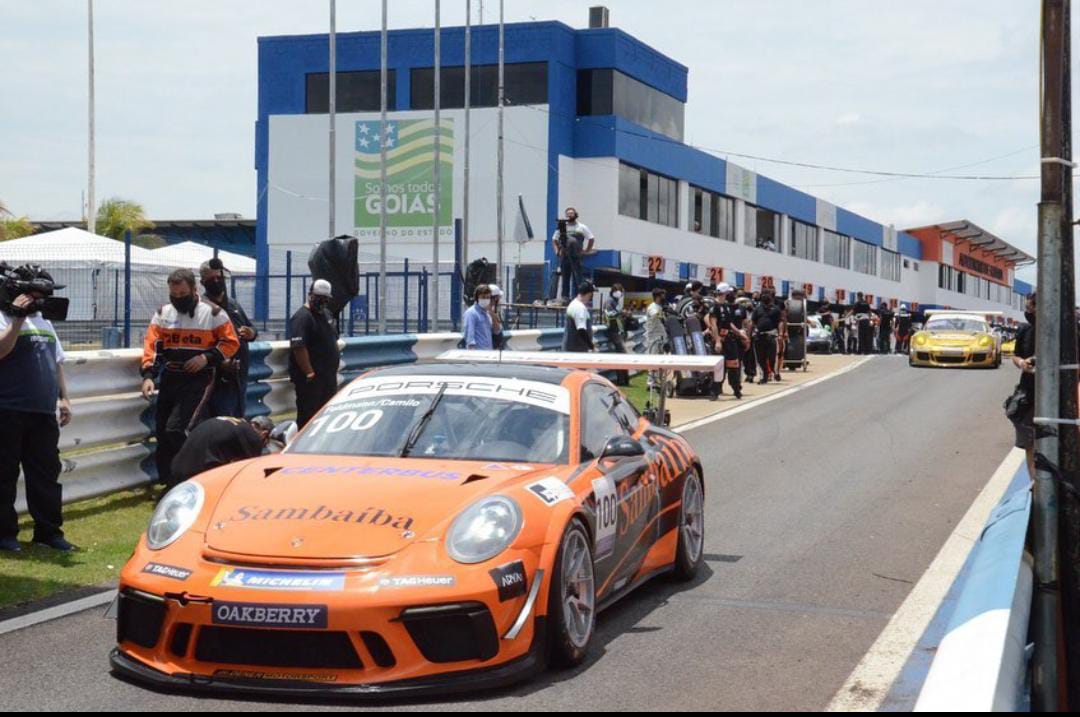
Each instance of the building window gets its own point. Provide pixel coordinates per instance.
(804, 241)
(864, 258)
(890, 265)
(837, 250)
(610, 92)
(648, 196)
(714, 214)
(526, 83)
(356, 92)
(762, 228)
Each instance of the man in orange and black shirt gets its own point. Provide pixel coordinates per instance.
(187, 340)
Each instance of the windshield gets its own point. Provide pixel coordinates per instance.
(474, 419)
(956, 324)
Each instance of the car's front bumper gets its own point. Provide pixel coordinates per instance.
(953, 357)
(449, 683)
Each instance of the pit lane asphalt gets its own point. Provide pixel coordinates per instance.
(823, 509)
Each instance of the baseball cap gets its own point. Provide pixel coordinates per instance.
(723, 288)
(495, 290)
(586, 287)
(321, 288)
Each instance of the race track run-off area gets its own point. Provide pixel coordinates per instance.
(824, 508)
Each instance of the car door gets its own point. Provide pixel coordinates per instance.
(624, 496)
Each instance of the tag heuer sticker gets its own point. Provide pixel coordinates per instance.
(551, 491)
(418, 581)
(167, 571)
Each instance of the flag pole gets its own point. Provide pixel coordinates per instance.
(437, 169)
(468, 102)
(333, 113)
(91, 202)
(382, 174)
(501, 150)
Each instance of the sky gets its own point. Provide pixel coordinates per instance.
(916, 86)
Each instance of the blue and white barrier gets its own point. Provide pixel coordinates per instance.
(981, 662)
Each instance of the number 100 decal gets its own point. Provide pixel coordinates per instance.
(347, 420)
(607, 516)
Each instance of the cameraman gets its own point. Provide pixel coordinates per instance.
(32, 389)
(571, 242)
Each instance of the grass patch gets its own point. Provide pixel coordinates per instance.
(637, 392)
(105, 529)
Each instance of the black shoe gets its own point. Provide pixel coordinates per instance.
(56, 542)
(738, 395)
(10, 545)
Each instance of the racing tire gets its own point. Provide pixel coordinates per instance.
(572, 603)
(690, 549)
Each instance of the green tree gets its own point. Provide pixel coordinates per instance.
(116, 216)
(12, 227)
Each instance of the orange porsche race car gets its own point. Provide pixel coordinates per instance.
(438, 527)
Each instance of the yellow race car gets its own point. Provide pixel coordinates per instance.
(956, 339)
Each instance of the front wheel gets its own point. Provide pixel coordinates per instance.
(690, 550)
(572, 599)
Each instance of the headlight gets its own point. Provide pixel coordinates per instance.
(985, 341)
(174, 514)
(484, 529)
(920, 339)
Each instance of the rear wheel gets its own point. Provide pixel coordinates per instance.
(690, 551)
(572, 599)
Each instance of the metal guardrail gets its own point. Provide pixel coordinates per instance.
(107, 446)
(981, 663)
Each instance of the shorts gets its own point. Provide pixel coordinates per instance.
(1025, 429)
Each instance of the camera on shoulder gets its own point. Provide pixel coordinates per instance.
(31, 279)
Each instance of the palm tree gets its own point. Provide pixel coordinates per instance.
(117, 216)
(12, 227)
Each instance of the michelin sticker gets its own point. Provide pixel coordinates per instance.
(279, 580)
(550, 491)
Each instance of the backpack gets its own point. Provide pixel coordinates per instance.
(480, 271)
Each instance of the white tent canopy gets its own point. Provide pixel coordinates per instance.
(191, 255)
(71, 247)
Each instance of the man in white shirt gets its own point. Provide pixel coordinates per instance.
(578, 335)
(655, 332)
(569, 249)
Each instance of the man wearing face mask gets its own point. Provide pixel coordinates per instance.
(571, 248)
(313, 357)
(186, 343)
(478, 334)
(229, 391)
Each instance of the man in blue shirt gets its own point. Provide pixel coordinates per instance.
(32, 391)
(478, 321)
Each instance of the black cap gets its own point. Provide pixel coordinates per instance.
(586, 287)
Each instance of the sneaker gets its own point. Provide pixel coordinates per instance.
(56, 542)
(10, 545)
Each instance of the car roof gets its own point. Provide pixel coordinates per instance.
(542, 374)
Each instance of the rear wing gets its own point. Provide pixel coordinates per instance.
(598, 361)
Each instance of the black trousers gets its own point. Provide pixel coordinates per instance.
(866, 337)
(733, 354)
(30, 440)
(183, 400)
(312, 395)
(750, 362)
(765, 345)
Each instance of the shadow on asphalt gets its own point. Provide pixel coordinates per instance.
(621, 618)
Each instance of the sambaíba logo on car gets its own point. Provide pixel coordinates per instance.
(369, 516)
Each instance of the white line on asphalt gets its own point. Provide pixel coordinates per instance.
(869, 684)
(766, 399)
(57, 611)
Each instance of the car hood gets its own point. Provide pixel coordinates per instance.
(950, 337)
(320, 507)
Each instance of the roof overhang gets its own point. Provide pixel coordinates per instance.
(984, 240)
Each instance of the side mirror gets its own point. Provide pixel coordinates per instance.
(284, 433)
(622, 447)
